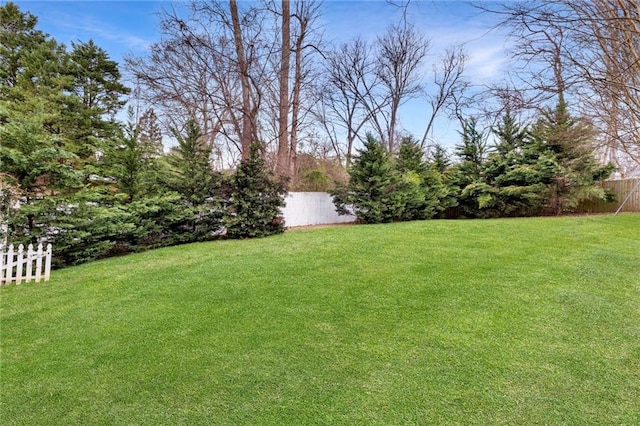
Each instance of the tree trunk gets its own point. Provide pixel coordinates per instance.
(282, 164)
(247, 133)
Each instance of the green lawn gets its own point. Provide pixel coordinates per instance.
(515, 321)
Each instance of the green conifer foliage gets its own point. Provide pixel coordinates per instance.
(518, 172)
(569, 141)
(190, 160)
(97, 96)
(129, 163)
(372, 193)
(422, 188)
(150, 133)
(255, 199)
(472, 193)
(440, 159)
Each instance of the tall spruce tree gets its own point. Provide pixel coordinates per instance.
(191, 175)
(440, 159)
(519, 171)
(133, 165)
(372, 193)
(472, 193)
(570, 141)
(422, 188)
(150, 133)
(255, 199)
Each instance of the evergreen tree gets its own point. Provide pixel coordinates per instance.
(96, 79)
(255, 199)
(372, 192)
(440, 159)
(422, 188)
(410, 157)
(519, 172)
(150, 133)
(45, 127)
(570, 141)
(511, 136)
(34, 164)
(34, 159)
(190, 160)
(137, 172)
(97, 92)
(472, 151)
(18, 38)
(472, 193)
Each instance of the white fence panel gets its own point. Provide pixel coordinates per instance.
(312, 208)
(19, 265)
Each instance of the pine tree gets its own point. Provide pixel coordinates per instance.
(372, 192)
(130, 163)
(440, 159)
(18, 36)
(569, 141)
(97, 98)
(410, 157)
(150, 133)
(511, 136)
(190, 160)
(255, 200)
(472, 193)
(472, 151)
(518, 172)
(422, 188)
(34, 157)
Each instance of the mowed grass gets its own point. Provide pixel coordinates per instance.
(516, 321)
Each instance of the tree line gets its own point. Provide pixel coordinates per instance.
(254, 101)
(72, 175)
(543, 168)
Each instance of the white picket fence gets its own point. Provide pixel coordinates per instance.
(20, 265)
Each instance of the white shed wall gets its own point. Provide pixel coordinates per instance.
(311, 208)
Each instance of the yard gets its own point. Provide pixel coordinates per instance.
(507, 321)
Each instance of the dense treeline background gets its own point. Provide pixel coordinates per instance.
(239, 103)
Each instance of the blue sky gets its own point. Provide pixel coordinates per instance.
(128, 27)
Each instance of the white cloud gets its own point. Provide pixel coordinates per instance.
(124, 39)
(486, 62)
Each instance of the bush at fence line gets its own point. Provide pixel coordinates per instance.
(94, 223)
(90, 227)
(381, 190)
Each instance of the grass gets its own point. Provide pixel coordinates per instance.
(516, 321)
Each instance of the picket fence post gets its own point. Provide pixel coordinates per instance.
(22, 262)
(47, 262)
(19, 264)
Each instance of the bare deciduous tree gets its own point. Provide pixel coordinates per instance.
(174, 78)
(307, 45)
(592, 52)
(609, 61)
(401, 51)
(449, 84)
(298, 38)
(282, 160)
(346, 97)
(211, 65)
